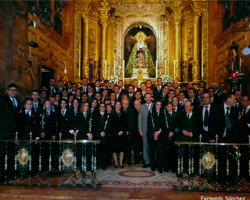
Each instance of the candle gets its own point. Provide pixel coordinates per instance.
(156, 69)
(114, 67)
(65, 69)
(105, 75)
(123, 70)
(165, 67)
(174, 68)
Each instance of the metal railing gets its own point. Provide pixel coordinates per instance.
(40, 162)
(201, 165)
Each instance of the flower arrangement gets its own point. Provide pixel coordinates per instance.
(167, 79)
(113, 79)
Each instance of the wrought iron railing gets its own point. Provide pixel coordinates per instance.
(40, 162)
(203, 171)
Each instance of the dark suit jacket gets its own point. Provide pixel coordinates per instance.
(63, 124)
(99, 125)
(158, 123)
(118, 124)
(8, 116)
(131, 118)
(232, 134)
(244, 130)
(212, 122)
(189, 125)
(49, 125)
(26, 124)
(82, 125)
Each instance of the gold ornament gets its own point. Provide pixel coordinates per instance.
(67, 157)
(23, 156)
(208, 161)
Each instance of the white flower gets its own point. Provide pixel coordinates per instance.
(167, 79)
(113, 79)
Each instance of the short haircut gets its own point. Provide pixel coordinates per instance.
(35, 91)
(27, 99)
(226, 96)
(12, 85)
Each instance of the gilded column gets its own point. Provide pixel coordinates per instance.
(196, 58)
(104, 15)
(204, 47)
(177, 14)
(104, 36)
(85, 71)
(78, 41)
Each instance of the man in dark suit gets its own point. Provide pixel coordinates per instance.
(84, 88)
(244, 133)
(228, 126)
(157, 89)
(52, 87)
(131, 93)
(91, 93)
(207, 119)
(237, 105)
(36, 105)
(187, 129)
(191, 97)
(130, 114)
(9, 108)
(100, 130)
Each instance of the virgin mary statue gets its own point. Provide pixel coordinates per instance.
(140, 56)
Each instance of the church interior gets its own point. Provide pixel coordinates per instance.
(188, 40)
(177, 40)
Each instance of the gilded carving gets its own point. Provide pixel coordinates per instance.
(78, 28)
(92, 43)
(140, 10)
(204, 48)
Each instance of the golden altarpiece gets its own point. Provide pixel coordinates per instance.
(178, 46)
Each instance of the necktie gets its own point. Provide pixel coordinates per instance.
(243, 111)
(28, 114)
(102, 116)
(47, 113)
(35, 107)
(75, 113)
(188, 116)
(148, 106)
(84, 115)
(14, 102)
(228, 122)
(206, 117)
(63, 112)
(158, 114)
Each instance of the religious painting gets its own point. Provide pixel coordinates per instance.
(140, 52)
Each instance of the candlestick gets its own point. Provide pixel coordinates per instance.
(30, 54)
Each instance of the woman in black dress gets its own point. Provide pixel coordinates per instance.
(118, 128)
(155, 136)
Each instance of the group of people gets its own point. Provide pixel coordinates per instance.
(140, 120)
